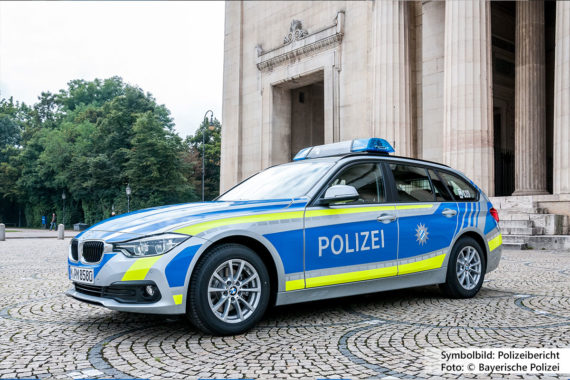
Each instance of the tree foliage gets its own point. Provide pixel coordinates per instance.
(212, 147)
(90, 140)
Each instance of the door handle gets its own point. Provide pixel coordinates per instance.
(386, 218)
(449, 212)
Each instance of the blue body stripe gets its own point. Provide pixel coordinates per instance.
(177, 268)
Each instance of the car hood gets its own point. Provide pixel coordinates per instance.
(169, 218)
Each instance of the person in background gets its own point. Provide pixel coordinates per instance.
(52, 225)
(113, 214)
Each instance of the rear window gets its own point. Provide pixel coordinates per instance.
(412, 183)
(461, 190)
(441, 193)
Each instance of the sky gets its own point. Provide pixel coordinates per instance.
(174, 50)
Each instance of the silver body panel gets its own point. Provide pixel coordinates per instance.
(118, 265)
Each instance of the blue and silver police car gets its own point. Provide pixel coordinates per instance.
(341, 219)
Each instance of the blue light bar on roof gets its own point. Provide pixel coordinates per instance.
(372, 145)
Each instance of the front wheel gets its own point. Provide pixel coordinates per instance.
(229, 290)
(465, 269)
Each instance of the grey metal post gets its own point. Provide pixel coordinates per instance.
(2, 232)
(203, 142)
(202, 166)
(60, 232)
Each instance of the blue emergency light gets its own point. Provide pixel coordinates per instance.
(371, 145)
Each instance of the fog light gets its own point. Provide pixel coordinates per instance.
(149, 290)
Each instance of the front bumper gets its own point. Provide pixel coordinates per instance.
(119, 281)
(163, 306)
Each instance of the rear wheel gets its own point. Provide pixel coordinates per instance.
(465, 269)
(229, 290)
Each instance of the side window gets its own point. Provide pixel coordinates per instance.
(441, 193)
(412, 184)
(461, 190)
(366, 179)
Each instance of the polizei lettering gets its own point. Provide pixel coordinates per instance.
(352, 242)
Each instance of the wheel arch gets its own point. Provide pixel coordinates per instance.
(478, 237)
(261, 246)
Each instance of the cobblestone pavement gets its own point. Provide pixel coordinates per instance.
(525, 303)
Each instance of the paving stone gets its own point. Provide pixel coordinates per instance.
(525, 303)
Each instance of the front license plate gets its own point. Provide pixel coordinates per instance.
(79, 274)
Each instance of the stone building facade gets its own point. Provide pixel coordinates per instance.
(481, 86)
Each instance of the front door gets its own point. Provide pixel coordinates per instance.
(354, 241)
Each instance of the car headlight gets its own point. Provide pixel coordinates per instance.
(150, 245)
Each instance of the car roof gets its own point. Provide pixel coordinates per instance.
(391, 157)
(357, 155)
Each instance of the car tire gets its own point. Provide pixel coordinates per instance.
(465, 269)
(229, 290)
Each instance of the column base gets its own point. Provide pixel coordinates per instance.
(519, 193)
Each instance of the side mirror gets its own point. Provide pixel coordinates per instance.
(340, 193)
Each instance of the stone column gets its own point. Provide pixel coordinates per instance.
(232, 108)
(530, 113)
(392, 108)
(433, 50)
(562, 100)
(467, 104)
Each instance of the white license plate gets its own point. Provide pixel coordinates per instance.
(79, 274)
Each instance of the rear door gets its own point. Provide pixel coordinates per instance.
(467, 198)
(427, 218)
(354, 241)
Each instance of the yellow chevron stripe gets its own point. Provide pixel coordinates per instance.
(412, 207)
(201, 227)
(295, 285)
(495, 242)
(343, 278)
(372, 274)
(204, 226)
(177, 299)
(427, 264)
(351, 210)
(139, 269)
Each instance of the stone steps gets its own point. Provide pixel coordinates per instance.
(543, 242)
(522, 231)
(514, 242)
(529, 219)
(527, 223)
(547, 224)
(515, 223)
(524, 210)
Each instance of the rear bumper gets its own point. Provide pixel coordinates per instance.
(494, 258)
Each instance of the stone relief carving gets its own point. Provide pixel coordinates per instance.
(299, 42)
(296, 32)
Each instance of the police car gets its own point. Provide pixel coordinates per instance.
(341, 219)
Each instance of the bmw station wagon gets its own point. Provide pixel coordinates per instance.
(341, 219)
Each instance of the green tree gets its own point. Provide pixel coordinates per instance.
(90, 140)
(11, 123)
(154, 166)
(212, 149)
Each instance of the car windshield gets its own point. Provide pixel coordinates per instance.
(279, 182)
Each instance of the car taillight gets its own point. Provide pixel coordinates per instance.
(495, 214)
